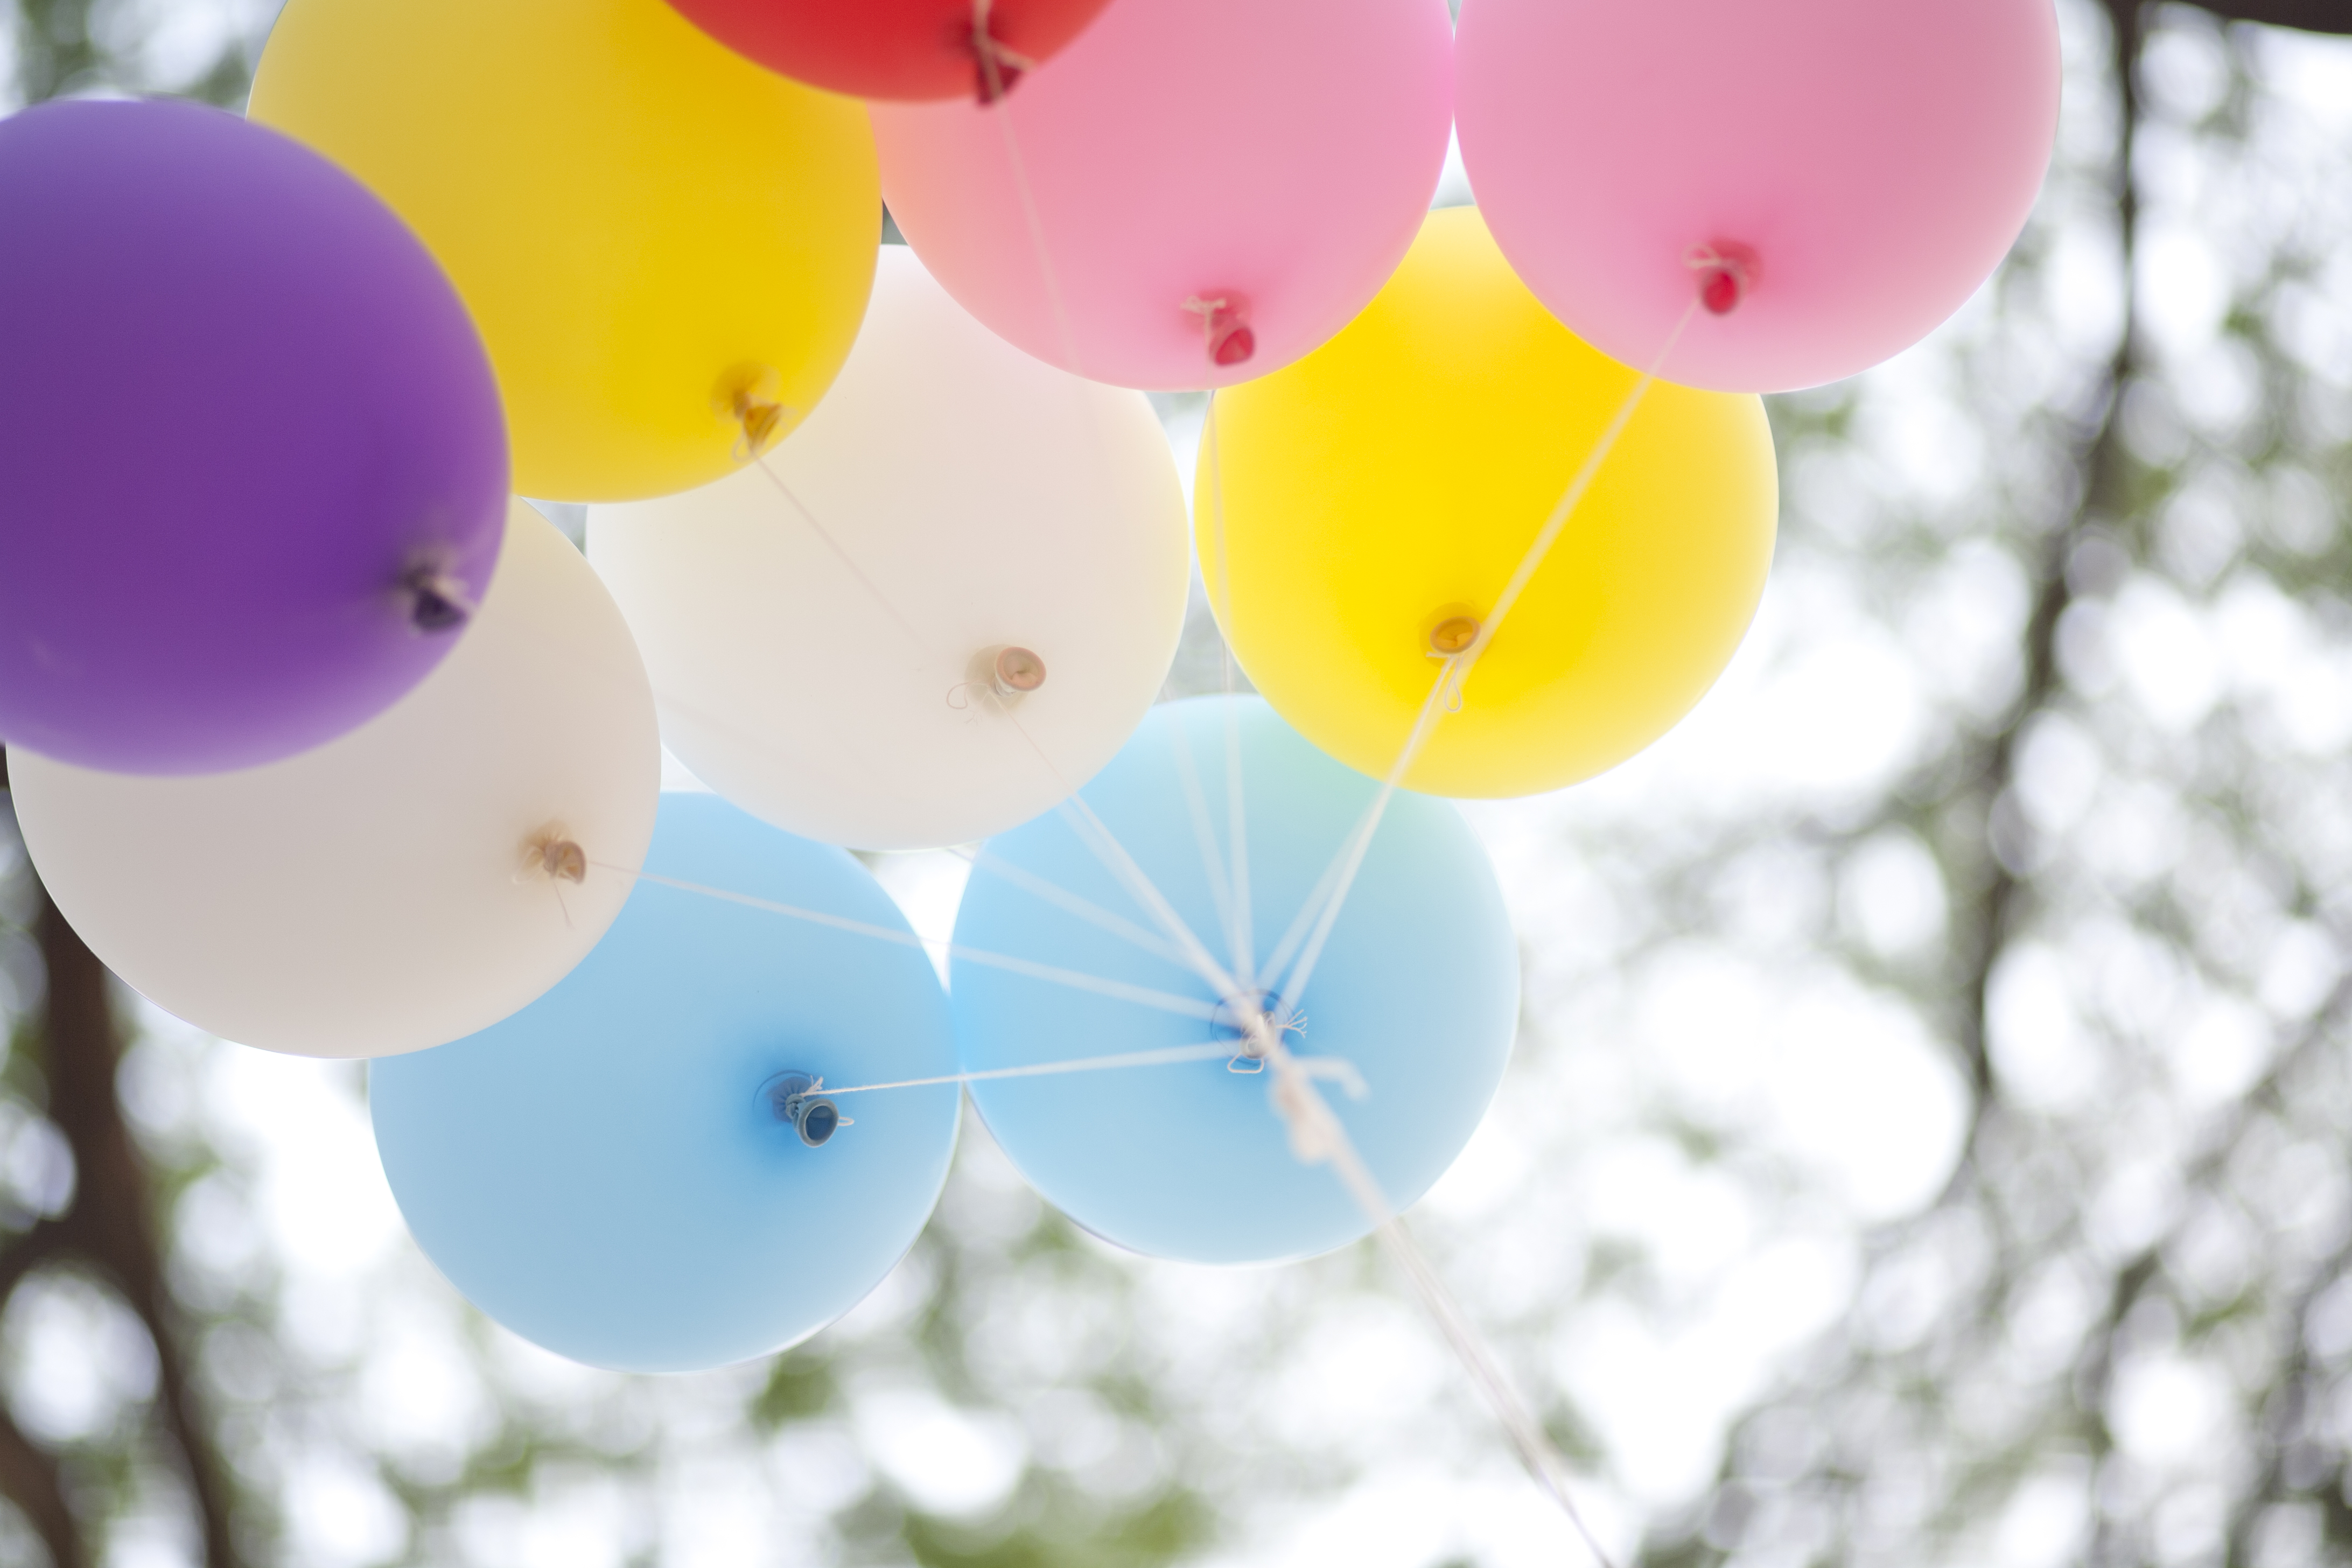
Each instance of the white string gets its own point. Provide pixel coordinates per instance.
(1569, 498)
(1119, 990)
(1245, 944)
(1448, 680)
(1002, 108)
(1205, 838)
(1085, 909)
(1168, 1056)
(872, 588)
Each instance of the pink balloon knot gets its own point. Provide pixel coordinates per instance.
(1224, 323)
(1726, 274)
(996, 68)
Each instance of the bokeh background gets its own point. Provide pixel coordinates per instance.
(1929, 1140)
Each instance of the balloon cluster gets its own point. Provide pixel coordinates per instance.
(330, 746)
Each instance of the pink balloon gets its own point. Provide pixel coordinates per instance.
(1215, 187)
(1836, 176)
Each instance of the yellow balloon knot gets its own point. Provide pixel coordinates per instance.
(748, 396)
(1452, 635)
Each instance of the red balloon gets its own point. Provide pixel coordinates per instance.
(896, 48)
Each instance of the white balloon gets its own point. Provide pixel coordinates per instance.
(825, 628)
(406, 884)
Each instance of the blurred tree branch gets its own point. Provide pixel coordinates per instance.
(2308, 15)
(110, 1227)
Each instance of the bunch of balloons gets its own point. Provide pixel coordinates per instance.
(330, 745)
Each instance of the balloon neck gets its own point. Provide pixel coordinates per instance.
(554, 854)
(798, 1100)
(1006, 673)
(1255, 1022)
(1726, 272)
(1016, 672)
(1224, 325)
(1453, 635)
(750, 397)
(438, 599)
(996, 69)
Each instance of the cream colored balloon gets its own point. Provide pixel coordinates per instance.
(406, 884)
(935, 609)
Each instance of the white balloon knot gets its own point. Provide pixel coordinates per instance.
(554, 855)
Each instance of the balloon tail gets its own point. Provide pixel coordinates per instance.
(1225, 326)
(438, 599)
(996, 68)
(750, 397)
(1726, 275)
(553, 854)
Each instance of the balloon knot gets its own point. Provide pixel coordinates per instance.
(1004, 673)
(438, 599)
(1225, 324)
(1452, 635)
(554, 854)
(799, 1100)
(996, 68)
(1016, 672)
(750, 397)
(1726, 272)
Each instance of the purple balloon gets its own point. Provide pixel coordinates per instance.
(253, 465)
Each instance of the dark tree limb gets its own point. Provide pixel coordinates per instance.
(30, 1477)
(111, 1226)
(2308, 15)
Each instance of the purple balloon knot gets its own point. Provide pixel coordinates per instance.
(438, 599)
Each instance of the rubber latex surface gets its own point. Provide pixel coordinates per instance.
(1417, 989)
(889, 48)
(1394, 480)
(602, 1173)
(643, 222)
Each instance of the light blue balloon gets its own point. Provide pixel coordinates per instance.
(602, 1173)
(1418, 988)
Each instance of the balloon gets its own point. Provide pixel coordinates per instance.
(667, 248)
(896, 48)
(608, 1173)
(252, 467)
(1828, 178)
(417, 879)
(985, 508)
(1194, 193)
(1418, 989)
(1366, 509)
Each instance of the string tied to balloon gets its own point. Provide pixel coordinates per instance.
(799, 1100)
(1006, 673)
(1225, 326)
(553, 855)
(751, 398)
(1726, 272)
(438, 599)
(996, 68)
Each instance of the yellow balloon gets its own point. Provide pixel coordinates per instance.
(668, 249)
(1360, 512)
